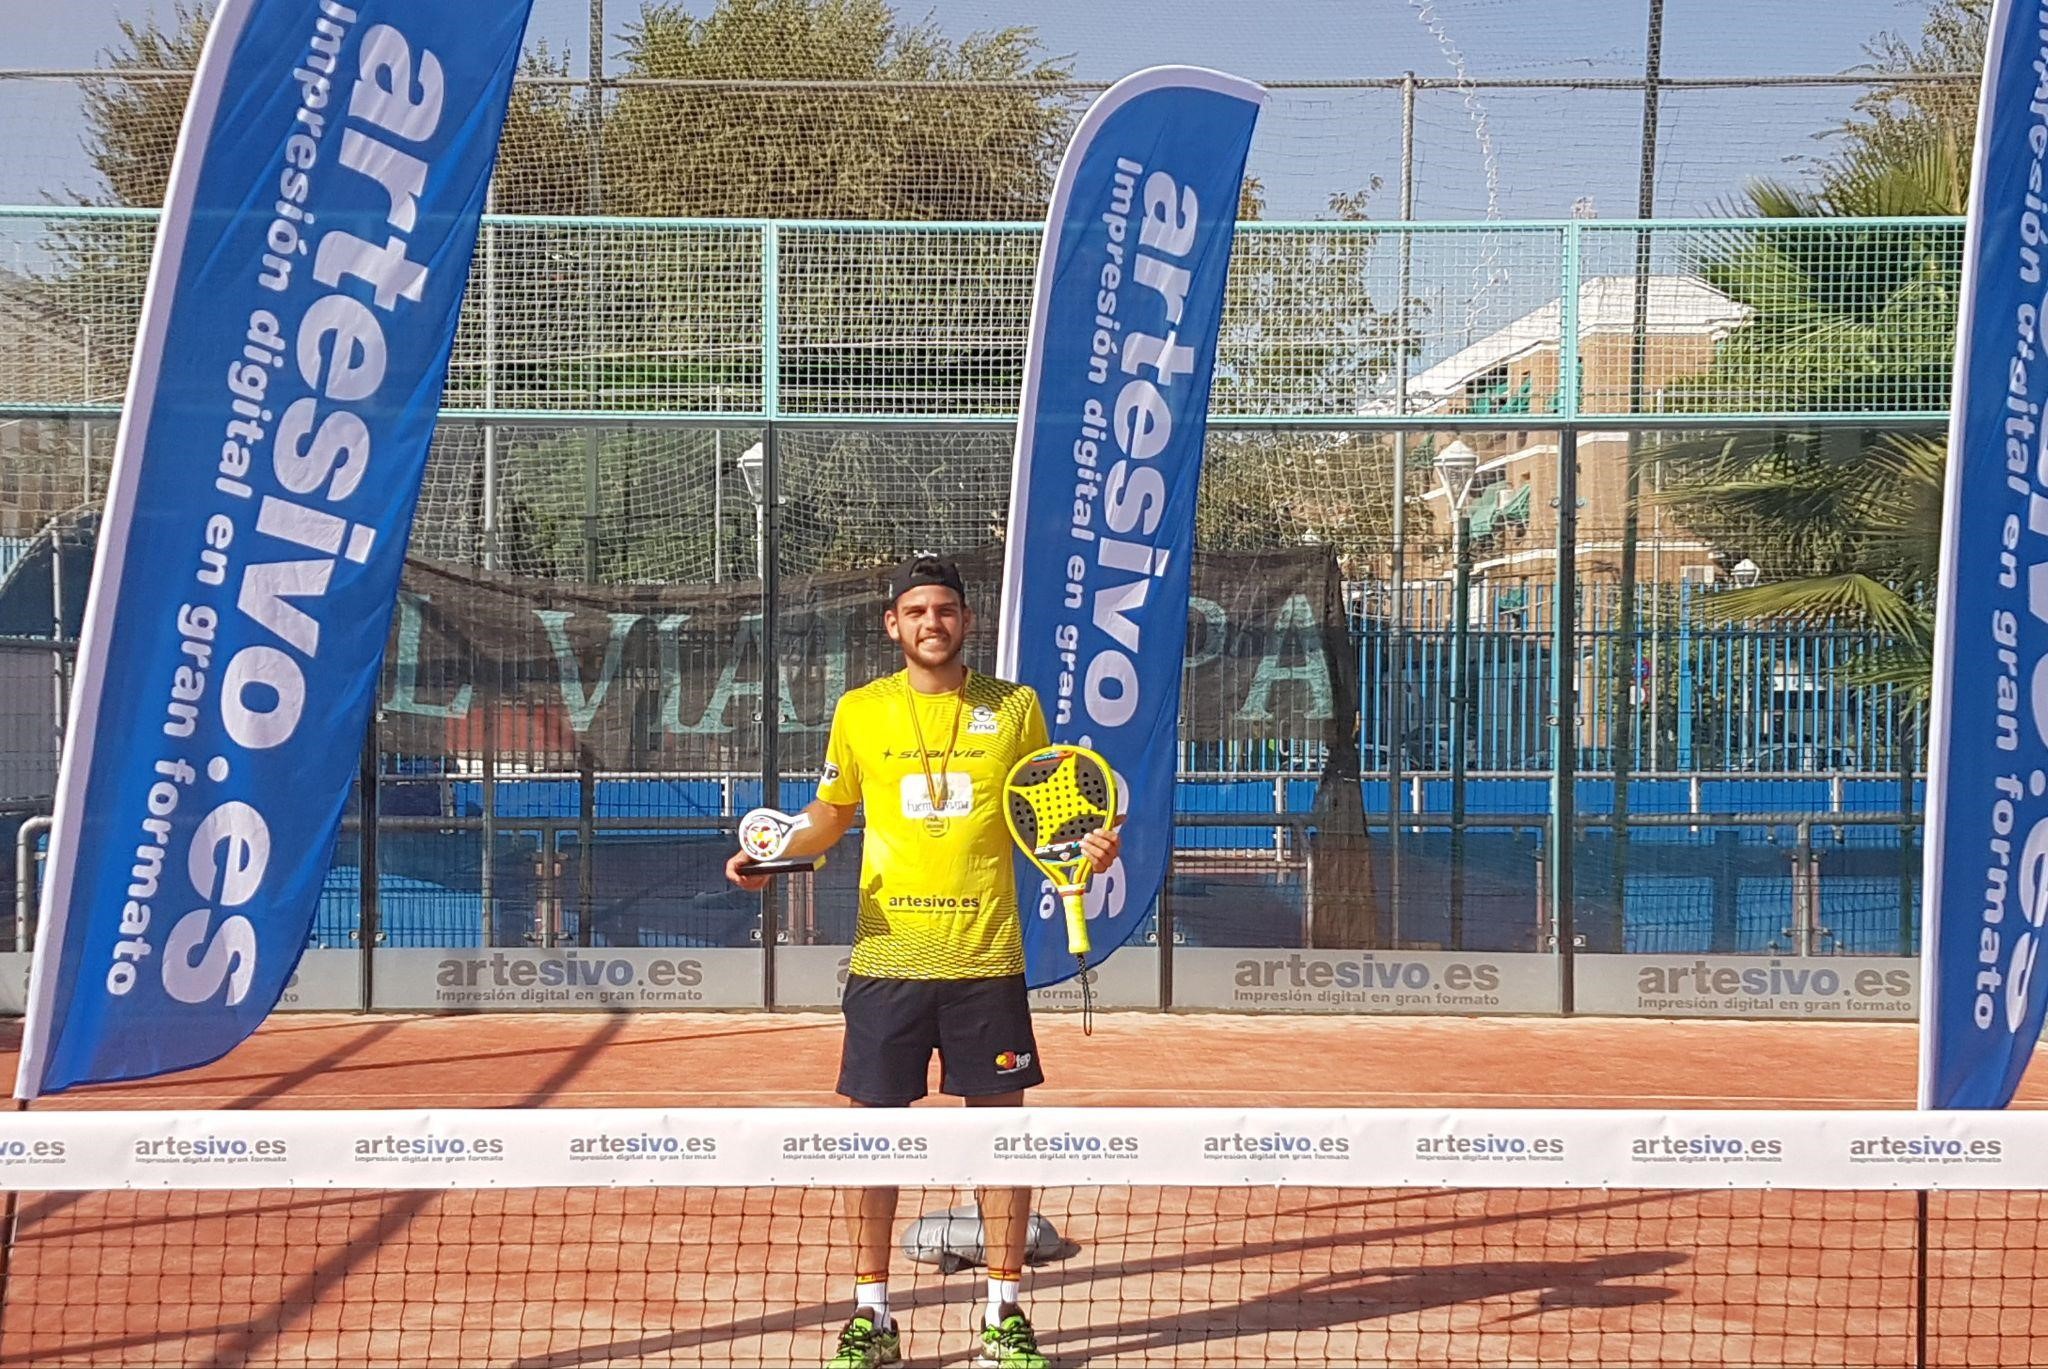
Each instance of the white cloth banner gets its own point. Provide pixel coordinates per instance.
(1193, 1147)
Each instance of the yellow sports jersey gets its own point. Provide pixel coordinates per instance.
(938, 885)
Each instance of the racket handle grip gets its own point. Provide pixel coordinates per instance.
(1074, 898)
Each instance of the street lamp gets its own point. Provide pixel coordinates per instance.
(753, 464)
(1455, 467)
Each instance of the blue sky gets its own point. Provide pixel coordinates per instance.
(1550, 149)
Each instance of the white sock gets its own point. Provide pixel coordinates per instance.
(874, 1295)
(1001, 1290)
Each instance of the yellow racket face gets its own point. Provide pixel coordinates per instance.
(1052, 799)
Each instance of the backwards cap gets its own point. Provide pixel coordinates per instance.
(925, 570)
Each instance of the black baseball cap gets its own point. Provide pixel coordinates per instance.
(925, 570)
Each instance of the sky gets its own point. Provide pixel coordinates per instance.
(1550, 150)
(1279, 39)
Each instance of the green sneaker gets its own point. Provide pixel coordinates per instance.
(1011, 1343)
(863, 1345)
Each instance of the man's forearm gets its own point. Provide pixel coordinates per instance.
(824, 825)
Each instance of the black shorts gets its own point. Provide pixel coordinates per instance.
(981, 1029)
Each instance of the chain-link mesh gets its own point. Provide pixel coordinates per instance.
(855, 498)
(849, 145)
(632, 688)
(70, 296)
(904, 321)
(51, 467)
(593, 316)
(1324, 487)
(611, 505)
(1799, 316)
(1747, 320)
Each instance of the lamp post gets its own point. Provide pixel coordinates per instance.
(763, 479)
(1455, 467)
(753, 464)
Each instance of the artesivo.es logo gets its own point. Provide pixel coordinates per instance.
(854, 1146)
(510, 977)
(414, 1149)
(1369, 972)
(1770, 980)
(187, 1150)
(16, 1150)
(607, 1146)
(1947, 1150)
(1066, 1145)
(1371, 980)
(1239, 1145)
(1489, 1146)
(1706, 1149)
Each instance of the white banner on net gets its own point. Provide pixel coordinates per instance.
(1194, 1147)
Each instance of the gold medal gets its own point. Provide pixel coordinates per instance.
(937, 788)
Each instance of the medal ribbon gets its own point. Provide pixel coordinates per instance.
(937, 790)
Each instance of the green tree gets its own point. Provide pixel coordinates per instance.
(760, 108)
(877, 120)
(132, 125)
(1906, 113)
(1312, 336)
(544, 150)
(1846, 527)
(754, 108)
(131, 131)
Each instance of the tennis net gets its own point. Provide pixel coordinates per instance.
(1163, 1236)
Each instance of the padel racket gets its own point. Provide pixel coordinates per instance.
(1053, 798)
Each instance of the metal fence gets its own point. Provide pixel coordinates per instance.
(1803, 914)
(625, 391)
(1450, 144)
(1341, 329)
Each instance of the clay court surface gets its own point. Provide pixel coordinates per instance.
(1132, 1060)
(598, 1276)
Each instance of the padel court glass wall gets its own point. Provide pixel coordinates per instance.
(1434, 748)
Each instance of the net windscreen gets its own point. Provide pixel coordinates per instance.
(725, 1238)
(665, 677)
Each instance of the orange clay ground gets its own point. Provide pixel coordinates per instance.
(1133, 1059)
(1161, 1276)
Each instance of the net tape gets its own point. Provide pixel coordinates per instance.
(726, 1147)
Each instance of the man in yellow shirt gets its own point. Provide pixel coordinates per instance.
(938, 952)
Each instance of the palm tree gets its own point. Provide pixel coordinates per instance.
(1842, 318)
(1856, 528)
